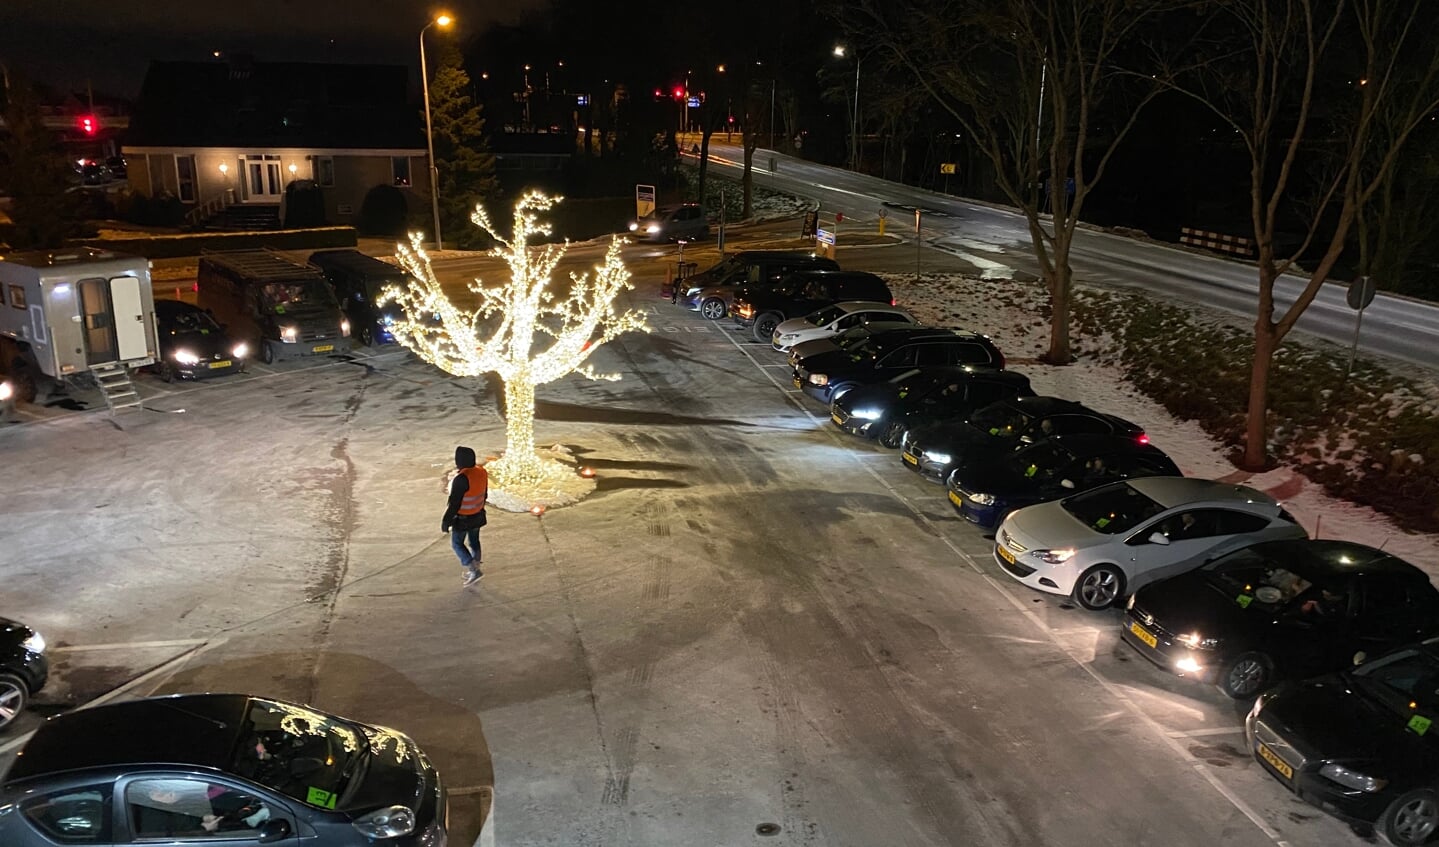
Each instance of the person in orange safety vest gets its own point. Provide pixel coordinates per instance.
(465, 513)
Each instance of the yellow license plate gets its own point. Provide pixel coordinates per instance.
(224, 364)
(911, 459)
(836, 418)
(798, 383)
(1277, 763)
(955, 498)
(323, 348)
(1004, 553)
(1143, 634)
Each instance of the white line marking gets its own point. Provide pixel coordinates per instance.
(1205, 733)
(122, 645)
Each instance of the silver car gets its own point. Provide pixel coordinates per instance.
(672, 223)
(832, 320)
(1103, 544)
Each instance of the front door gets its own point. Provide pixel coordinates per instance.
(131, 341)
(99, 321)
(263, 183)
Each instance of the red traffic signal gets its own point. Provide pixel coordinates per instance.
(679, 92)
(88, 124)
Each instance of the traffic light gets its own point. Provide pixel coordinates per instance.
(88, 124)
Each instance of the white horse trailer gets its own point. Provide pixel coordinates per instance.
(73, 315)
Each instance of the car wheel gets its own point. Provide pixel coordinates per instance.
(13, 697)
(1098, 587)
(167, 372)
(1246, 676)
(366, 334)
(24, 383)
(892, 434)
(1412, 819)
(764, 326)
(713, 308)
(267, 353)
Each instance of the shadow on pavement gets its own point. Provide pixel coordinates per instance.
(550, 411)
(617, 483)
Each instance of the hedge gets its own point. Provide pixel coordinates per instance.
(193, 243)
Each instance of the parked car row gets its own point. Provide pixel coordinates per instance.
(257, 303)
(1334, 641)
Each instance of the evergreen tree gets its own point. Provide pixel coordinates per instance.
(34, 169)
(466, 165)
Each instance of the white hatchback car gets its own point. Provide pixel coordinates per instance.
(832, 320)
(1103, 544)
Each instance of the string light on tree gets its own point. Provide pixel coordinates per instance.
(512, 320)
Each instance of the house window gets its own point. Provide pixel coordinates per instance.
(400, 167)
(17, 296)
(325, 171)
(185, 177)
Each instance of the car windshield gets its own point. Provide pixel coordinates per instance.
(1002, 420)
(1040, 462)
(1251, 577)
(914, 381)
(1406, 681)
(194, 320)
(298, 752)
(852, 337)
(298, 294)
(824, 317)
(1111, 509)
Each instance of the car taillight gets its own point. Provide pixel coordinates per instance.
(1143, 439)
(893, 302)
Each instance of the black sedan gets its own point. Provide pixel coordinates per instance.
(885, 410)
(23, 668)
(883, 356)
(934, 451)
(193, 345)
(1280, 609)
(1357, 742)
(228, 767)
(987, 487)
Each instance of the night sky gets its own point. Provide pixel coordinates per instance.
(64, 43)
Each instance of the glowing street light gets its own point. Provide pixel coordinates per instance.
(840, 53)
(442, 21)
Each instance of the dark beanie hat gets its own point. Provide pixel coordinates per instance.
(464, 457)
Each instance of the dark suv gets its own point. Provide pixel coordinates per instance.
(23, 668)
(762, 309)
(358, 281)
(711, 291)
(886, 355)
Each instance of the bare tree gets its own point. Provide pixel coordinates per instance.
(1039, 87)
(1324, 96)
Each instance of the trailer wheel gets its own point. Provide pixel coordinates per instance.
(23, 378)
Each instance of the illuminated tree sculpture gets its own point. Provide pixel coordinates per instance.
(511, 321)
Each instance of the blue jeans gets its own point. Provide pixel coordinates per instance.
(469, 556)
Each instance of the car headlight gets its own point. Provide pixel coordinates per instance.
(692, 292)
(981, 499)
(944, 459)
(652, 229)
(1352, 779)
(185, 357)
(6, 392)
(868, 414)
(344, 328)
(1258, 705)
(789, 336)
(241, 350)
(1054, 557)
(819, 379)
(35, 643)
(634, 226)
(389, 822)
(289, 333)
(1129, 604)
(1195, 641)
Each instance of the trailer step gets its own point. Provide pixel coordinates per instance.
(115, 385)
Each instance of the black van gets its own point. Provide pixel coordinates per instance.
(762, 308)
(711, 292)
(358, 280)
(281, 308)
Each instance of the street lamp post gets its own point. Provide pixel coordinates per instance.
(442, 21)
(854, 116)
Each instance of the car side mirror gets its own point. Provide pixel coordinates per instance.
(274, 829)
(1159, 538)
(1360, 657)
(1066, 483)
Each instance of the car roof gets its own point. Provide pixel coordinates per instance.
(355, 262)
(191, 729)
(987, 373)
(831, 273)
(868, 306)
(1171, 491)
(1044, 406)
(753, 255)
(904, 335)
(1331, 557)
(1094, 443)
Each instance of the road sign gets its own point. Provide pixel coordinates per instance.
(811, 222)
(644, 200)
(1361, 292)
(883, 213)
(946, 167)
(824, 236)
(839, 217)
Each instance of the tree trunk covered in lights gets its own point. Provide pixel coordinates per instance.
(519, 420)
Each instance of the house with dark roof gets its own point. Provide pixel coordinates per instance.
(235, 133)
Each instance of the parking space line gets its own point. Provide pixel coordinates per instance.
(1205, 733)
(124, 645)
(1140, 716)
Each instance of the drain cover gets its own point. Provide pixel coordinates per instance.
(767, 829)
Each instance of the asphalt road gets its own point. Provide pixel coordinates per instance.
(753, 621)
(996, 240)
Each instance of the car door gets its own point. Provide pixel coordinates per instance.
(1392, 611)
(76, 815)
(896, 360)
(1312, 642)
(183, 809)
(1188, 536)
